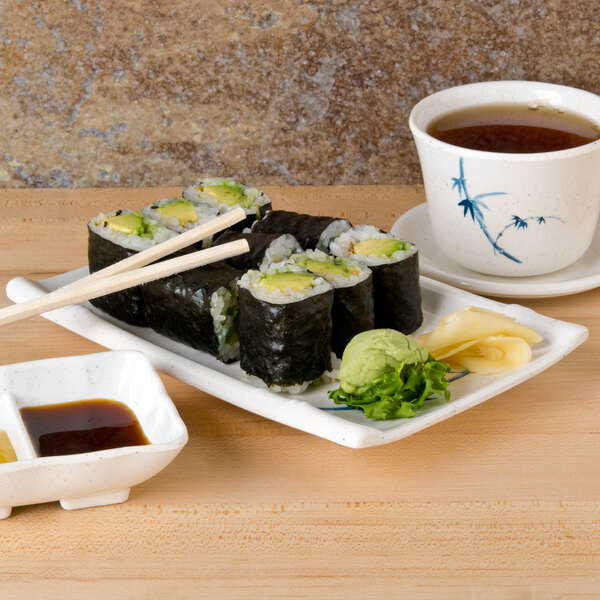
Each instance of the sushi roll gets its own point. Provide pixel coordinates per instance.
(197, 307)
(113, 237)
(312, 232)
(224, 193)
(353, 310)
(265, 248)
(285, 327)
(395, 267)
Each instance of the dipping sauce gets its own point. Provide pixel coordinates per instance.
(7, 452)
(81, 426)
(513, 128)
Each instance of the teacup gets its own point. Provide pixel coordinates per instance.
(507, 213)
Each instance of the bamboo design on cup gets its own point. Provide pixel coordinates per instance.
(473, 206)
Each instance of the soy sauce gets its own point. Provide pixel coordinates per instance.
(81, 426)
(514, 129)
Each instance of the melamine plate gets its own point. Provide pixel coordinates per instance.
(312, 411)
(583, 275)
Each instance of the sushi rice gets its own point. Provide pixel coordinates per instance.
(297, 388)
(279, 250)
(331, 232)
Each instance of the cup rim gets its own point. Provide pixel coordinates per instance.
(419, 132)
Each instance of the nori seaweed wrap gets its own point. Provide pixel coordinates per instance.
(312, 232)
(113, 237)
(395, 267)
(265, 248)
(226, 193)
(285, 327)
(353, 307)
(197, 307)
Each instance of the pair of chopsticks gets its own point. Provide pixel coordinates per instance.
(133, 270)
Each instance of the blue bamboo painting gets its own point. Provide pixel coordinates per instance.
(474, 207)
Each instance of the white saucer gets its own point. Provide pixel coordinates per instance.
(583, 275)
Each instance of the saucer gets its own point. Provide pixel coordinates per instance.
(582, 275)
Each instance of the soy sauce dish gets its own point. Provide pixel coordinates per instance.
(83, 429)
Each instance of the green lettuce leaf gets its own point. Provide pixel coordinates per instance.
(399, 393)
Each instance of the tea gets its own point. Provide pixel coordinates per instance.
(514, 129)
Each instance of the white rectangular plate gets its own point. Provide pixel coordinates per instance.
(312, 411)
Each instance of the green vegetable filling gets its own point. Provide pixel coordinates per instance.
(292, 280)
(380, 247)
(233, 335)
(132, 223)
(180, 209)
(329, 269)
(230, 193)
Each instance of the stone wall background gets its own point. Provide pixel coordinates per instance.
(150, 93)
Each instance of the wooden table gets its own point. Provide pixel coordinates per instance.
(501, 501)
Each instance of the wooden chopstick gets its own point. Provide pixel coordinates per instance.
(183, 240)
(114, 283)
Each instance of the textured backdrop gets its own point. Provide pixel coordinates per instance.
(133, 93)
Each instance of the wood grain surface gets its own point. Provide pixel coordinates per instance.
(501, 501)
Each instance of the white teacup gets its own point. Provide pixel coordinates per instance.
(506, 213)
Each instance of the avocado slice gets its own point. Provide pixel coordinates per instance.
(231, 194)
(181, 209)
(287, 279)
(130, 223)
(379, 248)
(329, 268)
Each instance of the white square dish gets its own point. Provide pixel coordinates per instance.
(313, 411)
(88, 478)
